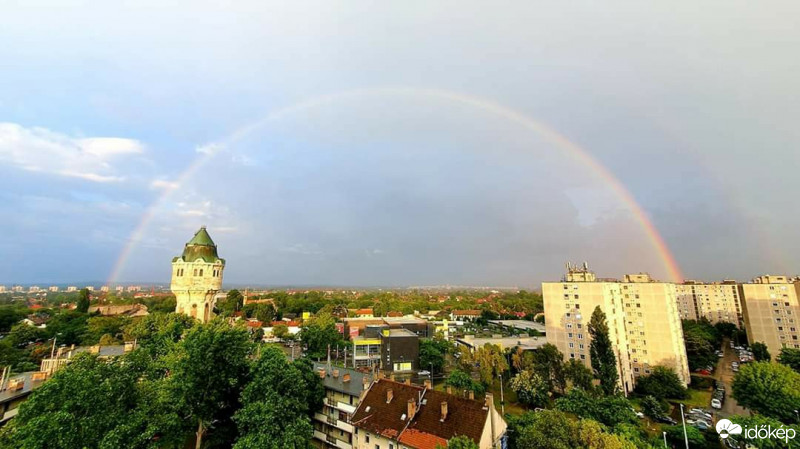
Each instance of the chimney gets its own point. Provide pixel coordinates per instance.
(412, 409)
(380, 375)
(489, 402)
(444, 411)
(408, 381)
(366, 383)
(391, 377)
(322, 374)
(472, 395)
(389, 395)
(449, 389)
(346, 377)
(336, 374)
(427, 384)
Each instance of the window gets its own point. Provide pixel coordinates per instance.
(195, 272)
(201, 272)
(577, 306)
(571, 344)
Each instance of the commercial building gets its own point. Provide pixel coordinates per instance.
(716, 302)
(197, 277)
(354, 327)
(399, 351)
(771, 312)
(524, 343)
(343, 390)
(642, 317)
(400, 415)
(521, 325)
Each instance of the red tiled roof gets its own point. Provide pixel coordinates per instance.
(421, 440)
(394, 314)
(364, 312)
(287, 323)
(254, 323)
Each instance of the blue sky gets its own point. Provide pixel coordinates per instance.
(103, 105)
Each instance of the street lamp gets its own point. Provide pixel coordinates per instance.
(683, 420)
(502, 400)
(798, 415)
(665, 438)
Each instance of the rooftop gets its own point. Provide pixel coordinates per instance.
(200, 247)
(427, 427)
(353, 387)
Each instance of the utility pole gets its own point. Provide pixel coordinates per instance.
(502, 400)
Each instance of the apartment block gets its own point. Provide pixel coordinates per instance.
(716, 302)
(343, 390)
(641, 313)
(771, 312)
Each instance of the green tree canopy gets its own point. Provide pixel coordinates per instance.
(548, 362)
(209, 369)
(550, 429)
(578, 374)
(609, 410)
(601, 352)
(760, 352)
(661, 383)
(770, 389)
(531, 389)
(275, 405)
(84, 297)
(790, 357)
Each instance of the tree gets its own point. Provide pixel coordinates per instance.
(22, 335)
(693, 434)
(661, 383)
(609, 410)
(280, 331)
(760, 352)
(462, 381)
(652, 407)
(701, 339)
(98, 326)
(82, 305)
(232, 303)
(759, 421)
(767, 388)
(263, 312)
(9, 316)
(531, 389)
(318, 333)
(275, 404)
(491, 362)
(790, 357)
(93, 403)
(601, 352)
(432, 352)
(68, 326)
(209, 371)
(548, 362)
(578, 374)
(550, 429)
(158, 333)
(462, 442)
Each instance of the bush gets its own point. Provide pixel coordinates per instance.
(661, 383)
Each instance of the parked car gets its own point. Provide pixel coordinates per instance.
(666, 420)
(716, 403)
(424, 373)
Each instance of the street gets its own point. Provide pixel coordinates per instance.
(724, 373)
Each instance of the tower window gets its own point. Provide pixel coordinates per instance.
(195, 272)
(201, 272)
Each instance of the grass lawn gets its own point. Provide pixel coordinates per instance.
(698, 399)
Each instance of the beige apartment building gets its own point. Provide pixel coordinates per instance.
(771, 312)
(716, 302)
(642, 316)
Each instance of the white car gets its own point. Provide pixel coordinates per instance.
(424, 373)
(716, 404)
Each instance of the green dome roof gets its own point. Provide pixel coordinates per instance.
(201, 247)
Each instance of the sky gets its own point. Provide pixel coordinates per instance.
(396, 144)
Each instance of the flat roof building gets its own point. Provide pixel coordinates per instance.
(642, 317)
(771, 312)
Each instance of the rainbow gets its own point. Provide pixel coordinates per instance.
(573, 150)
